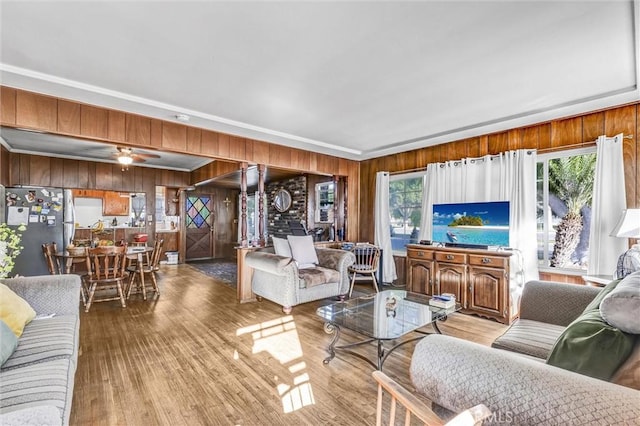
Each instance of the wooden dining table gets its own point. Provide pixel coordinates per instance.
(135, 253)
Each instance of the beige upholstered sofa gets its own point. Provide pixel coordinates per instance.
(36, 381)
(277, 278)
(513, 378)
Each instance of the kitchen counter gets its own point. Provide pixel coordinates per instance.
(106, 228)
(125, 233)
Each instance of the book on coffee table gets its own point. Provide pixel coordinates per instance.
(444, 302)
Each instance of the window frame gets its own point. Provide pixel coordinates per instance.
(544, 158)
(405, 176)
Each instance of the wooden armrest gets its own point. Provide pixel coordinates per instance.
(417, 408)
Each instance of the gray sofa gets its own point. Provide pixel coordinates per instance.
(277, 278)
(513, 379)
(36, 382)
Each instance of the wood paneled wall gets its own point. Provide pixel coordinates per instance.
(4, 166)
(36, 170)
(216, 168)
(29, 110)
(554, 135)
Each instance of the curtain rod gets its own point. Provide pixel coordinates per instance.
(576, 145)
(402, 172)
(420, 169)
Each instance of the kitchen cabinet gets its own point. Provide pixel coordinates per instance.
(88, 193)
(115, 204)
(170, 241)
(478, 278)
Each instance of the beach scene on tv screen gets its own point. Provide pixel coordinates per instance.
(472, 223)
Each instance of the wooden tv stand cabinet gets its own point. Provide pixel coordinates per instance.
(478, 278)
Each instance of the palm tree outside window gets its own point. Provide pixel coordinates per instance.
(564, 196)
(405, 208)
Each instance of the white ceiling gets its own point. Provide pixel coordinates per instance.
(352, 79)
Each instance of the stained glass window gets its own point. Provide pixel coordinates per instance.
(198, 214)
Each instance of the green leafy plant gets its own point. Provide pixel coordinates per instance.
(467, 221)
(10, 247)
(571, 180)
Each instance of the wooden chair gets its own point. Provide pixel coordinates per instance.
(367, 257)
(415, 408)
(106, 268)
(149, 267)
(56, 267)
(53, 263)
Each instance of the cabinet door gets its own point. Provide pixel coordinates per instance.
(452, 279)
(114, 204)
(487, 290)
(420, 276)
(170, 242)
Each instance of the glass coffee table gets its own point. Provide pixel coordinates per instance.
(388, 315)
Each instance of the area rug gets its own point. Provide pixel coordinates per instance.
(219, 269)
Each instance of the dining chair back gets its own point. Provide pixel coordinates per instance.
(148, 268)
(53, 263)
(106, 268)
(367, 258)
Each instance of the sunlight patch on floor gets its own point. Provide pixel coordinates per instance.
(279, 338)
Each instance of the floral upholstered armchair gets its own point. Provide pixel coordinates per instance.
(284, 281)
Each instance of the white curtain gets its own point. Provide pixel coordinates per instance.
(608, 202)
(510, 176)
(383, 227)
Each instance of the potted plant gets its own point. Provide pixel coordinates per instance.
(9, 247)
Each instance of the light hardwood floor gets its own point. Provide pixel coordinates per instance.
(194, 356)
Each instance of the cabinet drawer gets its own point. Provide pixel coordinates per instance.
(450, 257)
(419, 254)
(491, 261)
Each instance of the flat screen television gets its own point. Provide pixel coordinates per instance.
(483, 224)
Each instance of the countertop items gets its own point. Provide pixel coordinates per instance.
(123, 226)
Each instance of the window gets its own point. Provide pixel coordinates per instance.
(405, 208)
(564, 194)
(160, 201)
(253, 215)
(325, 196)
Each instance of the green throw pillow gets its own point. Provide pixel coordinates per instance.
(8, 342)
(591, 347)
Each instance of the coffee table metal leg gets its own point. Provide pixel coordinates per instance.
(331, 328)
(381, 356)
(435, 323)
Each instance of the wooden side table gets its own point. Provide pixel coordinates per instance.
(597, 280)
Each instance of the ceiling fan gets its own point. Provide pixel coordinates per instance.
(126, 156)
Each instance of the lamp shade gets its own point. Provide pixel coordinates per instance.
(629, 225)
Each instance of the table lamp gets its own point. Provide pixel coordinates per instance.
(628, 227)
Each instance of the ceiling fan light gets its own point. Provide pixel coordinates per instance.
(125, 159)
